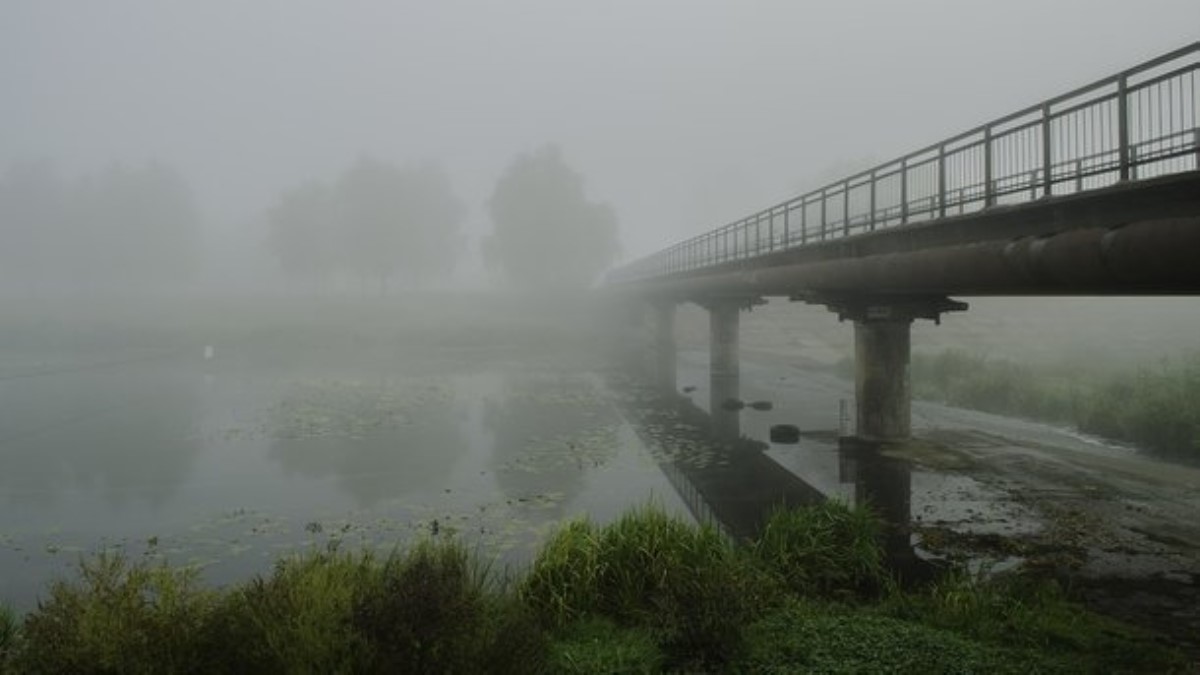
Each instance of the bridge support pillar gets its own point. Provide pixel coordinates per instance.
(664, 344)
(882, 334)
(881, 379)
(724, 363)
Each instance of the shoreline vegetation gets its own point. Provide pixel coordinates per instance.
(1155, 408)
(647, 593)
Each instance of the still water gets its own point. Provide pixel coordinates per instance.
(228, 457)
(229, 462)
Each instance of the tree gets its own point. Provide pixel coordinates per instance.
(546, 234)
(118, 229)
(398, 220)
(302, 232)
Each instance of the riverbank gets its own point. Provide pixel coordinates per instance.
(646, 593)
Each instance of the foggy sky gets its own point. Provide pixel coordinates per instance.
(682, 115)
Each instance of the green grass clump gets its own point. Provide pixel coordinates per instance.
(687, 584)
(118, 618)
(825, 550)
(600, 646)
(823, 639)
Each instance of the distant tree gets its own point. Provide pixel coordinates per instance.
(546, 234)
(120, 228)
(33, 219)
(303, 234)
(137, 228)
(398, 221)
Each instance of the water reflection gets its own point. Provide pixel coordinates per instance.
(730, 480)
(387, 439)
(547, 432)
(127, 437)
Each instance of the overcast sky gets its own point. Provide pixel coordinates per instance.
(681, 114)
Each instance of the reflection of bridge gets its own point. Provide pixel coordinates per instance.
(739, 485)
(1094, 192)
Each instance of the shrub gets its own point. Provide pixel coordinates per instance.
(430, 612)
(8, 635)
(298, 620)
(824, 550)
(686, 584)
(117, 618)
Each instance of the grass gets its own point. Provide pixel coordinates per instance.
(823, 552)
(1156, 408)
(645, 594)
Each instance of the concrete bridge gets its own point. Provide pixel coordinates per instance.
(1093, 192)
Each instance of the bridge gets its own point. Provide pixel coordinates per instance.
(1092, 192)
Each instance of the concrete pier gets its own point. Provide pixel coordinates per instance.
(882, 386)
(882, 346)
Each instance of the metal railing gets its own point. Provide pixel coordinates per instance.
(1140, 123)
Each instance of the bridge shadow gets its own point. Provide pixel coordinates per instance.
(729, 480)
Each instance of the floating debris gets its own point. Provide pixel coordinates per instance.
(785, 433)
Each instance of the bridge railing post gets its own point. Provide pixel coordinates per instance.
(904, 191)
(787, 213)
(846, 208)
(989, 193)
(1196, 146)
(872, 218)
(1123, 156)
(803, 220)
(824, 199)
(941, 177)
(1047, 157)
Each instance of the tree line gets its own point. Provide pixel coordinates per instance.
(380, 222)
(376, 223)
(117, 228)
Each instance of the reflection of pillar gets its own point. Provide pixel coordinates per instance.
(726, 418)
(886, 485)
(724, 368)
(664, 344)
(881, 379)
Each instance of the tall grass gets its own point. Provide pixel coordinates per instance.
(686, 584)
(827, 550)
(8, 635)
(1155, 408)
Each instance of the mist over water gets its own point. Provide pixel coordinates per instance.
(291, 276)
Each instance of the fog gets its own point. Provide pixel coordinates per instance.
(293, 275)
(680, 115)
